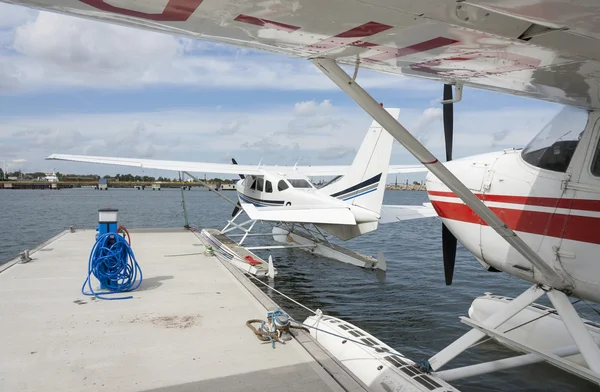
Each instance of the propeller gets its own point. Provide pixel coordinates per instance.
(448, 239)
(235, 163)
(236, 209)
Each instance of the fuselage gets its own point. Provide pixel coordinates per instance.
(549, 193)
(296, 191)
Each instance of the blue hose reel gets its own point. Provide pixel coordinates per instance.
(112, 261)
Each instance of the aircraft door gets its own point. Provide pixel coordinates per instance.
(525, 200)
(577, 251)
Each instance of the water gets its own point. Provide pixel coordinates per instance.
(409, 308)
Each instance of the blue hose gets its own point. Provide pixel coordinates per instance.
(113, 263)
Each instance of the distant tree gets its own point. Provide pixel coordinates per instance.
(416, 183)
(107, 177)
(1, 174)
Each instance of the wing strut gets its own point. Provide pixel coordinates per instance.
(333, 71)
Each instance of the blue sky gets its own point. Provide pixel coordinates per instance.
(73, 86)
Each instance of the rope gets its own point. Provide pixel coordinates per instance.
(113, 263)
(280, 293)
(276, 326)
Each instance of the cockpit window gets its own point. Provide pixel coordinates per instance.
(282, 186)
(300, 183)
(253, 186)
(259, 184)
(553, 148)
(268, 187)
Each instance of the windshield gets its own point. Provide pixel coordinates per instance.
(299, 183)
(553, 148)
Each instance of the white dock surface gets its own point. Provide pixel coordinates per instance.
(184, 330)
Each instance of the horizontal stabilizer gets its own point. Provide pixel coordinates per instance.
(336, 216)
(395, 213)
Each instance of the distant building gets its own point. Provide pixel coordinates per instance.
(51, 177)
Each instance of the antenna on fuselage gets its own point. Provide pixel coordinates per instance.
(298, 161)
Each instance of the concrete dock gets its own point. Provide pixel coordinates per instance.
(183, 330)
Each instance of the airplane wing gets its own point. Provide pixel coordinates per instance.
(516, 47)
(223, 168)
(196, 167)
(317, 214)
(315, 171)
(395, 213)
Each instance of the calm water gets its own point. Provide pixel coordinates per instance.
(409, 308)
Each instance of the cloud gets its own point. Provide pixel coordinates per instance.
(336, 153)
(229, 129)
(498, 137)
(311, 108)
(422, 127)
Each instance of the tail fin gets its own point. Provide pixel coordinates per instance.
(364, 183)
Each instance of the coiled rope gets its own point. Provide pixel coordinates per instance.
(113, 263)
(276, 327)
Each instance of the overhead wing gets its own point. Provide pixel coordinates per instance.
(196, 167)
(315, 171)
(395, 213)
(397, 169)
(329, 215)
(518, 47)
(223, 168)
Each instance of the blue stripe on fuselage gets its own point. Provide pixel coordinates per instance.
(360, 194)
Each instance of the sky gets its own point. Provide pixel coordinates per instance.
(74, 86)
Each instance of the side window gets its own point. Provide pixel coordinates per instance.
(282, 186)
(595, 169)
(259, 184)
(253, 186)
(268, 187)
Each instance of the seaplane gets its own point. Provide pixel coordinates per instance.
(532, 213)
(347, 206)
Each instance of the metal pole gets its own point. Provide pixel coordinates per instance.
(333, 71)
(580, 334)
(502, 364)
(185, 215)
(494, 321)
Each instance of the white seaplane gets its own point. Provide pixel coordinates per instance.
(532, 213)
(347, 206)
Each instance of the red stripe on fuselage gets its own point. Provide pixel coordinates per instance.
(573, 204)
(571, 227)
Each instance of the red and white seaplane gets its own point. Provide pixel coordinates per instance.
(532, 213)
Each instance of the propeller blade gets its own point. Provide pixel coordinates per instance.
(448, 114)
(449, 253)
(448, 239)
(235, 163)
(236, 209)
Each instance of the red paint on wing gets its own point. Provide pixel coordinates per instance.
(516, 62)
(353, 36)
(388, 53)
(174, 11)
(266, 23)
